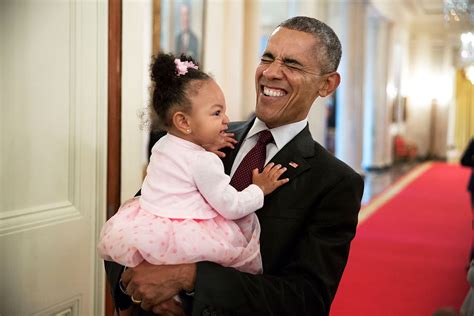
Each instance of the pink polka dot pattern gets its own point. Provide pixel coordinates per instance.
(140, 235)
(255, 158)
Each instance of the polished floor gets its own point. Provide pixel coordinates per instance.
(378, 181)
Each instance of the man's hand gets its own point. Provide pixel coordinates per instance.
(226, 140)
(170, 307)
(152, 285)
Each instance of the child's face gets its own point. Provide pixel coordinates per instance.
(208, 119)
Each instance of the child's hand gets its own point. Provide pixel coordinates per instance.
(267, 180)
(226, 140)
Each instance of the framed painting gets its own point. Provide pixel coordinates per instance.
(181, 28)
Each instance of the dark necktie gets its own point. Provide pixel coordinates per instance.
(255, 158)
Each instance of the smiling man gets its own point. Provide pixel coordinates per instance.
(307, 225)
(289, 77)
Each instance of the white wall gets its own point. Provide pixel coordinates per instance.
(224, 55)
(136, 58)
(419, 94)
(397, 74)
(430, 93)
(426, 74)
(445, 100)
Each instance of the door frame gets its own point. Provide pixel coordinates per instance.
(114, 101)
(114, 119)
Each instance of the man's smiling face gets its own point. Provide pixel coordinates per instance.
(288, 77)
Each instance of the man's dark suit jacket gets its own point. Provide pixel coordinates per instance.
(306, 229)
(467, 160)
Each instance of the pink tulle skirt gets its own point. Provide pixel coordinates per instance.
(133, 235)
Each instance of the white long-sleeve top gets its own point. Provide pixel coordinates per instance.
(186, 181)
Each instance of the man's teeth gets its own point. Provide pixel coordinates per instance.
(273, 93)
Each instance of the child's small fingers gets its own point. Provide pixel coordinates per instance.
(268, 167)
(229, 137)
(279, 172)
(229, 144)
(282, 182)
(275, 170)
(278, 168)
(219, 153)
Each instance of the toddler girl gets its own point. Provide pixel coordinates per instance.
(188, 210)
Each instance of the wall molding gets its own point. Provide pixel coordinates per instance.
(26, 219)
(68, 307)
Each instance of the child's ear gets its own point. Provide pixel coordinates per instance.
(181, 122)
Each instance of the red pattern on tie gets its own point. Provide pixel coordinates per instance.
(255, 158)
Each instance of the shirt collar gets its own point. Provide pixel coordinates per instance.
(282, 134)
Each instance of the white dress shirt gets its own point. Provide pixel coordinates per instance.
(281, 136)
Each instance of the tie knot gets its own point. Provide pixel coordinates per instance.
(265, 137)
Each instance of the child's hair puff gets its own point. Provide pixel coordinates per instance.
(170, 90)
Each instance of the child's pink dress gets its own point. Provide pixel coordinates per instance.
(188, 212)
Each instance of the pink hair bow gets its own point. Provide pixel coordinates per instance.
(182, 66)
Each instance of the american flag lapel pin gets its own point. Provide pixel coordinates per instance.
(293, 164)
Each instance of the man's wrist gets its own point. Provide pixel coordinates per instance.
(120, 284)
(187, 274)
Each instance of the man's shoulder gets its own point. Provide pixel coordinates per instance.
(467, 156)
(471, 145)
(239, 128)
(238, 125)
(325, 160)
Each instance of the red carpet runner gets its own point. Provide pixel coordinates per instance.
(409, 258)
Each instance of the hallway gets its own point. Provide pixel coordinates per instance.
(75, 94)
(411, 251)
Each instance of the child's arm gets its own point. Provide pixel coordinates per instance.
(213, 184)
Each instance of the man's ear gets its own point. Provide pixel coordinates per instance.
(330, 84)
(181, 122)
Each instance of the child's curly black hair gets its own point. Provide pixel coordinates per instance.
(170, 90)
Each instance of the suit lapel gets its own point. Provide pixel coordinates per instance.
(293, 155)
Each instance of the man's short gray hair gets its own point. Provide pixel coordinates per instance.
(331, 51)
